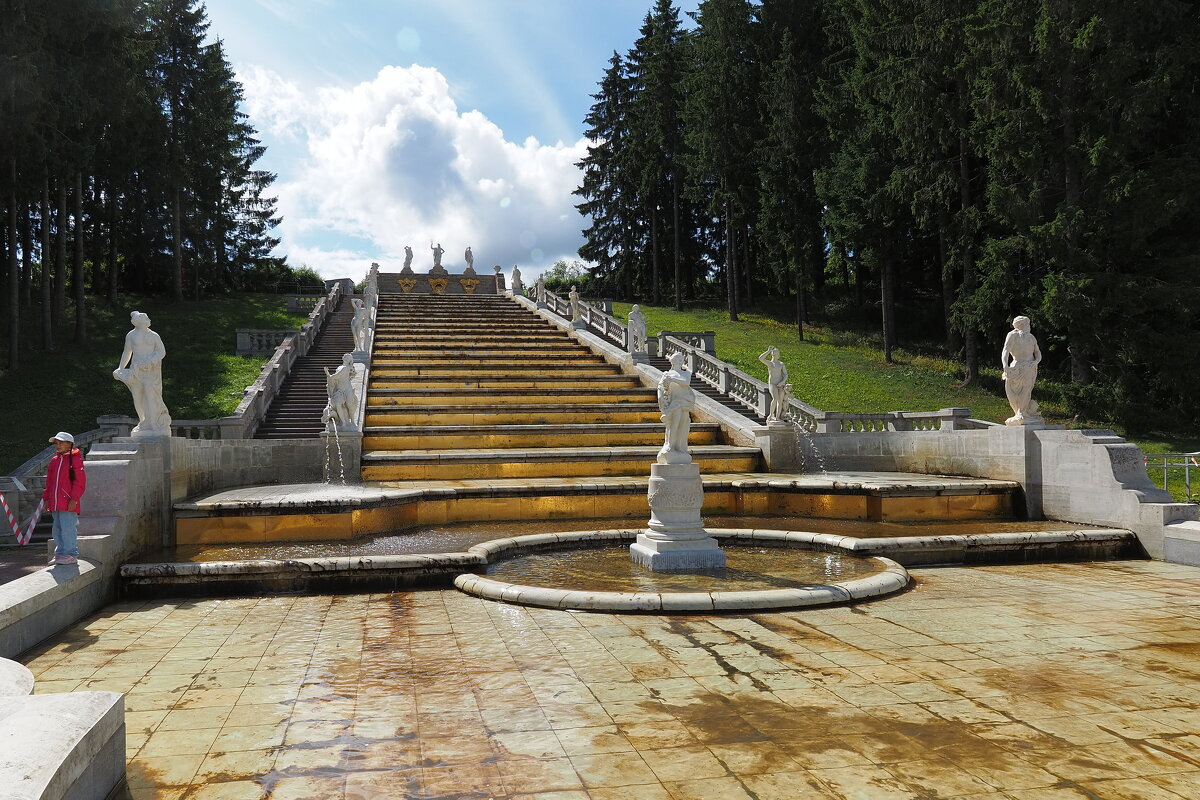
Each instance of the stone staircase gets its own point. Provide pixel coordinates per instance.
(467, 387)
(296, 412)
(700, 387)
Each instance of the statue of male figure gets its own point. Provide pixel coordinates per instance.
(1019, 359)
(343, 404)
(676, 401)
(437, 254)
(143, 354)
(408, 255)
(777, 383)
(469, 257)
(360, 323)
(518, 287)
(635, 339)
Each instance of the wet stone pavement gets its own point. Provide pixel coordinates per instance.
(1024, 682)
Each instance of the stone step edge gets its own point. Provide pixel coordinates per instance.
(519, 428)
(490, 454)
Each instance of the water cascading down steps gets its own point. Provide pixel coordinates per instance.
(479, 388)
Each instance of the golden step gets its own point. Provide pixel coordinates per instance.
(380, 440)
(484, 382)
(609, 461)
(488, 397)
(514, 414)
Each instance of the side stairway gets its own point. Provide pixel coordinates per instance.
(704, 389)
(477, 387)
(296, 412)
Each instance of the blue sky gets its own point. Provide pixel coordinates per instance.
(405, 122)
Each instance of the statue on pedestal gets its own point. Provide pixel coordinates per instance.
(408, 255)
(360, 323)
(437, 255)
(143, 354)
(342, 408)
(636, 330)
(576, 311)
(676, 401)
(777, 383)
(469, 257)
(518, 288)
(1019, 359)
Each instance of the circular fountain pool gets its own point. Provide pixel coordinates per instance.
(592, 570)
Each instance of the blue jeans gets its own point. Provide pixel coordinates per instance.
(66, 531)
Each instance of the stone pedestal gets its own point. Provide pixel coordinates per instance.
(675, 537)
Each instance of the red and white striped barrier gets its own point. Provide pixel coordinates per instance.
(22, 538)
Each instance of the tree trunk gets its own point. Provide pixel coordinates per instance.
(47, 257)
(27, 255)
(60, 255)
(14, 275)
(675, 246)
(731, 284)
(953, 343)
(967, 199)
(77, 274)
(177, 245)
(801, 306)
(887, 283)
(113, 271)
(655, 288)
(745, 264)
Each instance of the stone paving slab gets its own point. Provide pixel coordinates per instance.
(1033, 682)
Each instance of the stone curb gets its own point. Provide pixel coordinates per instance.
(892, 578)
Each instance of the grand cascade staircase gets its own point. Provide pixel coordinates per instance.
(467, 388)
(296, 412)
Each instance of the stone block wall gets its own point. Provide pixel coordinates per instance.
(211, 465)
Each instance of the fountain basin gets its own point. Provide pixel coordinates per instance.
(885, 576)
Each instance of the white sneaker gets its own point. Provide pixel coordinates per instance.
(67, 559)
(53, 560)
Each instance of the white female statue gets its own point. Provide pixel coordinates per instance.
(518, 288)
(576, 311)
(407, 258)
(469, 257)
(635, 338)
(343, 404)
(777, 383)
(676, 401)
(144, 353)
(1019, 359)
(437, 254)
(360, 323)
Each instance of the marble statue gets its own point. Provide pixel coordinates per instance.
(1019, 359)
(143, 354)
(518, 288)
(342, 409)
(469, 257)
(360, 323)
(539, 288)
(777, 383)
(408, 256)
(636, 330)
(437, 254)
(576, 310)
(676, 401)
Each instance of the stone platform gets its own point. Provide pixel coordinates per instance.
(292, 512)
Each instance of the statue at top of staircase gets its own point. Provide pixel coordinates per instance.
(469, 257)
(408, 255)
(437, 257)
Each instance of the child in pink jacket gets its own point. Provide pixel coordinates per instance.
(65, 484)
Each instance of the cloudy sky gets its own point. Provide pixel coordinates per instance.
(405, 122)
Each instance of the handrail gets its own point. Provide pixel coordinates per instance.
(755, 395)
(604, 325)
(1188, 462)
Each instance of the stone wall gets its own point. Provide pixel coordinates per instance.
(1087, 477)
(211, 465)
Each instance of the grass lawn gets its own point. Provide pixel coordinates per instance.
(68, 388)
(839, 371)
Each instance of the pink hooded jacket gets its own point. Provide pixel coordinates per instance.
(60, 489)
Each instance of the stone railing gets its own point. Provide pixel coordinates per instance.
(756, 397)
(702, 340)
(256, 341)
(302, 303)
(600, 323)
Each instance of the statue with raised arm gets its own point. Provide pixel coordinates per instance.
(1019, 359)
(408, 256)
(342, 409)
(360, 323)
(518, 286)
(676, 401)
(777, 383)
(437, 254)
(469, 257)
(635, 337)
(140, 368)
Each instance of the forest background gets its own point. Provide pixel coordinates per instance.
(924, 169)
(928, 168)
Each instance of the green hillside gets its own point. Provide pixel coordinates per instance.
(68, 388)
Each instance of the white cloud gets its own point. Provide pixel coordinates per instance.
(393, 162)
